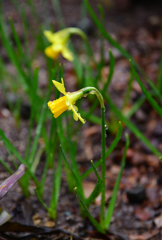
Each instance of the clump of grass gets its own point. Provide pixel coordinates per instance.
(61, 130)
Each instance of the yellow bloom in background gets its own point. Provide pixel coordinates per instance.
(59, 43)
(67, 102)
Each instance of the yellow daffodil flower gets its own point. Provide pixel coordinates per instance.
(59, 42)
(67, 102)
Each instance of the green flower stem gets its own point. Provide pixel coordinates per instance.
(93, 90)
(78, 32)
(103, 169)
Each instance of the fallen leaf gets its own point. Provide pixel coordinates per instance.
(49, 224)
(158, 221)
(142, 214)
(88, 132)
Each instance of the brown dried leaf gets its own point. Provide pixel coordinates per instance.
(158, 221)
(142, 214)
(88, 132)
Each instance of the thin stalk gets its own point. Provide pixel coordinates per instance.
(103, 170)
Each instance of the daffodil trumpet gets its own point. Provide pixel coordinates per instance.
(67, 102)
(59, 43)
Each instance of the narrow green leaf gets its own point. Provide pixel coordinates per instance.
(78, 181)
(93, 221)
(6, 166)
(63, 142)
(114, 195)
(40, 199)
(147, 94)
(13, 57)
(56, 186)
(98, 188)
(107, 35)
(56, 4)
(11, 148)
(33, 108)
(39, 128)
(112, 66)
(131, 126)
(135, 107)
(160, 66)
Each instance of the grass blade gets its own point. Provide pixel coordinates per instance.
(56, 187)
(13, 57)
(160, 66)
(108, 37)
(112, 66)
(132, 127)
(77, 179)
(40, 199)
(6, 166)
(93, 221)
(98, 188)
(10, 148)
(62, 139)
(135, 106)
(147, 94)
(114, 195)
(19, 46)
(33, 107)
(39, 128)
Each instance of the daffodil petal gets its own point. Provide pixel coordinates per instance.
(76, 115)
(57, 47)
(62, 35)
(66, 53)
(50, 36)
(60, 86)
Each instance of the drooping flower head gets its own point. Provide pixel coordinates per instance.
(67, 102)
(59, 43)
